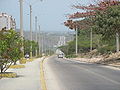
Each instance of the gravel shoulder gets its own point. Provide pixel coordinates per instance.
(97, 61)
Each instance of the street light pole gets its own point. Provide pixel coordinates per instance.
(31, 30)
(117, 42)
(76, 29)
(91, 39)
(39, 41)
(21, 24)
(36, 33)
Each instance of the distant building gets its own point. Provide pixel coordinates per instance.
(7, 22)
(62, 41)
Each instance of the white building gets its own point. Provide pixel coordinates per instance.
(7, 22)
(62, 41)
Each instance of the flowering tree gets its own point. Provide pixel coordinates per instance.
(103, 17)
(90, 11)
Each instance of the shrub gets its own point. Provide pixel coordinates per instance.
(106, 49)
(10, 48)
(71, 56)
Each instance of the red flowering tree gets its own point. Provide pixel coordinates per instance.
(90, 11)
(103, 16)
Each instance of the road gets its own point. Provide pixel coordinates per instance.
(72, 75)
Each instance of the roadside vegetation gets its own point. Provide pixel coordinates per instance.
(102, 19)
(10, 49)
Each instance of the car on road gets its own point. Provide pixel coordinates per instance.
(60, 55)
(27, 56)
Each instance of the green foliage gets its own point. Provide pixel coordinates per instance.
(71, 56)
(83, 43)
(103, 46)
(69, 48)
(106, 49)
(10, 44)
(107, 46)
(107, 22)
(27, 46)
(34, 47)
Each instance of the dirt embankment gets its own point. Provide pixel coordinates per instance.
(111, 59)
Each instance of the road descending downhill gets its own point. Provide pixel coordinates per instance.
(73, 75)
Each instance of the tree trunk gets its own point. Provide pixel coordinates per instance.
(15, 63)
(1, 69)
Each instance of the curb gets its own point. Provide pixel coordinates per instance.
(42, 77)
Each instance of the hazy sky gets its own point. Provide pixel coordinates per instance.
(51, 13)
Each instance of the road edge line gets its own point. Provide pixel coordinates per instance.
(42, 77)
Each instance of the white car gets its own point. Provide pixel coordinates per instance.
(60, 55)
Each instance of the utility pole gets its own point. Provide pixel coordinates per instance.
(36, 33)
(21, 24)
(91, 39)
(76, 29)
(39, 41)
(117, 42)
(31, 30)
(49, 47)
(42, 43)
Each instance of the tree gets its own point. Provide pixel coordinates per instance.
(106, 24)
(27, 46)
(10, 44)
(90, 10)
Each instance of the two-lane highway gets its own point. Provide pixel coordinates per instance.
(72, 75)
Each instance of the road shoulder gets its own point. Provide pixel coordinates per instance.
(104, 65)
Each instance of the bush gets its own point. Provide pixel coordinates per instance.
(106, 49)
(71, 56)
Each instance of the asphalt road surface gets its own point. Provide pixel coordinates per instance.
(72, 75)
